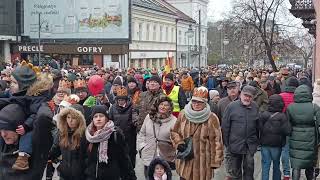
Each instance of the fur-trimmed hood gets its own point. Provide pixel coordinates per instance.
(43, 83)
(152, 167)
(62, 116)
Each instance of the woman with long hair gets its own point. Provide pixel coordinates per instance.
(154, 137)
(71, 144)
(108, 157)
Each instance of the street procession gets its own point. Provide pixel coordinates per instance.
(159, 90)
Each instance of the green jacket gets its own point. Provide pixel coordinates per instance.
(261, 98)
(304, 138)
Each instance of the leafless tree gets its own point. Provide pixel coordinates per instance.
(262, 15)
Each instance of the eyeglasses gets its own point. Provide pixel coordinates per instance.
(197, 102)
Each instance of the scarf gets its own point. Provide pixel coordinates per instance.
(101, 136)
(167, 89)
(164, 177)
(197, 116)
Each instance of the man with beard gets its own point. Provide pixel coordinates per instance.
(121, 114)
(147, 98)
(175, 93)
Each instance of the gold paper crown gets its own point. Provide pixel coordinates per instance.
(122, 91)
(64, 84)
(79, 83)
(200, 92)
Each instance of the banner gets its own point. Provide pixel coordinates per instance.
(77, 19)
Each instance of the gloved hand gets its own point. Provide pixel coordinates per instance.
(182, 147)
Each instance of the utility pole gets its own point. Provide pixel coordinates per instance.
(199, 47)
(39, 40)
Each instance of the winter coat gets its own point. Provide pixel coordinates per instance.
(152, 131)
(207, 147)
(240, 128)
(187, 84)
(287, 97)
(152, 168)
(72, 165)
(143, 108)
(211, 83)
(316, 92)
(213, 107)
(261, 98)
(119, 165)
(123, 118)
(273, 130)
(42, 130)
(303, 140)
(222, 91)
(222, 105)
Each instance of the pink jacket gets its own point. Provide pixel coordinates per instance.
(288, 98)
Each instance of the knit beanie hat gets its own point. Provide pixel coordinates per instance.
(11, 116)
(155, 78)
(100, 109)
(78, 107)
(293, 82)
(213, 93)
(25, 77)
(131, 79)
(170, 76)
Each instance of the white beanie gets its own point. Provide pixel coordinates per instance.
(213, 93)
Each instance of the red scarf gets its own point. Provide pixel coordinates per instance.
(167, 89)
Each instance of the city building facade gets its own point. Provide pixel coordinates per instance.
(191, 8)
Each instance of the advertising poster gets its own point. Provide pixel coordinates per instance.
(77, 19)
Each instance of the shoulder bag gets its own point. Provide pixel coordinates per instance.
(187, 154)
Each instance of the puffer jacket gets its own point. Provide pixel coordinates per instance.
(287, 97)
(273, 124)
(146, 140)
(187, 84)
(303, 140)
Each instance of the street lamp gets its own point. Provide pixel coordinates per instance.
(189, 34)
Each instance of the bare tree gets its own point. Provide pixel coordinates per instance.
(262, 15)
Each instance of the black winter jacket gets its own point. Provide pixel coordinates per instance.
(273, 124)
(119, 165)
(72, 165)
(240, 127)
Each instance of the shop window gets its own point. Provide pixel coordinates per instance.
(115, 58)
(86, 59)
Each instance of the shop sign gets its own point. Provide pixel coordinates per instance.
(30, 48)
(89, 49)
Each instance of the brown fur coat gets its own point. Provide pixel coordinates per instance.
(207, 147)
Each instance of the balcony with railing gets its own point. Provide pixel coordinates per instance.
(304, 9)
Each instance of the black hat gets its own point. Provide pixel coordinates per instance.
(249, 90)
(232, 84)
(155, 78)
(100, 109)
(11, 117)
(131, 79)
(25, 76)
(254, 84)
(170, 76)
(78, 107)
(117, 81)
(292, 81)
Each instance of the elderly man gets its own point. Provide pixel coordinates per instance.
(240, 136)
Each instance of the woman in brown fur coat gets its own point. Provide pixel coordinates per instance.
(197, 120)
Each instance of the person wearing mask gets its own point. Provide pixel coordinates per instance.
(108, 156)
(154, 137)
(148, 98)
(122, 115)
(175, 93)
(304, 117)
(187, 85)
(199, 123)
(273, 127)
(240, 135)
(287, 96)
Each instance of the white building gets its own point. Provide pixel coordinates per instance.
(191, 8)
(153, 34)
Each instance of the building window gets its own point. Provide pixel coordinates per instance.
(140, 32)
(161, 33)
(180, 37)
(148, 32)
(154, 33)
(132, 30)
(167, 34)
(203, 39)
(172, 35)
(185, 38)
(86, 59)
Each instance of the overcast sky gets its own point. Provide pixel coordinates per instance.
(217, 8)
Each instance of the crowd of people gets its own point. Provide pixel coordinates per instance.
(94, 122)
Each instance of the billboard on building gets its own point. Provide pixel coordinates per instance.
(8, 17)
(77, 19)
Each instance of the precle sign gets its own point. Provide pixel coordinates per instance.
(89, 49)
(30, 48)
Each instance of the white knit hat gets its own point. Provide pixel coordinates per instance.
(213, 93)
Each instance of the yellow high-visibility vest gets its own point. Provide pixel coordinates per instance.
(174, 96)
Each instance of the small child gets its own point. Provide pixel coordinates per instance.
(159, 169)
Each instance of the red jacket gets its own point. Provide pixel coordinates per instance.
(287, 98)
